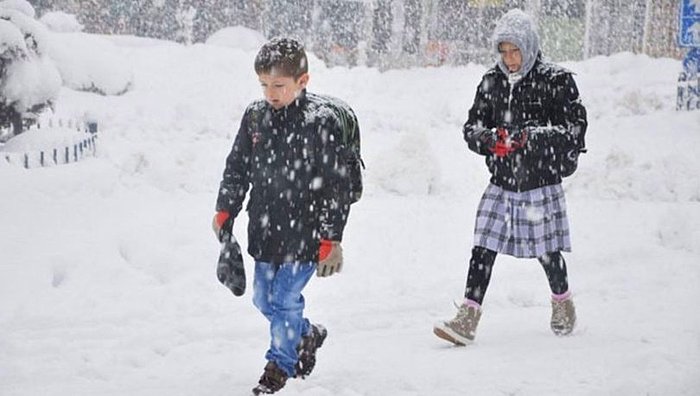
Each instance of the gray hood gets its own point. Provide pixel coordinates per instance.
(518, 28)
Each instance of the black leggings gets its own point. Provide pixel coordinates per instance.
(481, 265)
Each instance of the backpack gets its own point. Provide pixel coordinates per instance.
(351, 139)
(347, 121)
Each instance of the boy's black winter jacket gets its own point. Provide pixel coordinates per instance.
(294, 160)
(545, 104)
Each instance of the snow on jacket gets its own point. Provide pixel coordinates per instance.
(543, 101)
(294, 161)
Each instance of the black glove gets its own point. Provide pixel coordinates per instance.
(230, 270)
(488, 138)
(481, 140)
(518, 137)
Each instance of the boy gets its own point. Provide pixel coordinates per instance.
(528, 121)
(290, 149)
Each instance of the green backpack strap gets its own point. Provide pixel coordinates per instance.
(351, 138)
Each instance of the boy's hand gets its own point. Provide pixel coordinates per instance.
(222, 223)
(330, 258)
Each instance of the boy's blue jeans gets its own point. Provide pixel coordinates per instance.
(277, 294)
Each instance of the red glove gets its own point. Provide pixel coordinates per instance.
(507, 144)
(330, 258)
(222, 221)
(324, 249)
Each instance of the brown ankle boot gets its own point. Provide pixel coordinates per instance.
(563, 316)
(272, 380)
(462, 329)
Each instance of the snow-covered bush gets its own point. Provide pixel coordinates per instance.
(90, 63)
(19, 5)
(29, 81)
(237, 37)
(61, 22)
(409, 168)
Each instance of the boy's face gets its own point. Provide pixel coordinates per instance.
(280, 91)
(511, 56)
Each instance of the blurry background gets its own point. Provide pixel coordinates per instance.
(394, 33)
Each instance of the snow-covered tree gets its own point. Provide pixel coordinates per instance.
(185, 19)
(29, 80)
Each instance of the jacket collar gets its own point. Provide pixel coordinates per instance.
(291, 108)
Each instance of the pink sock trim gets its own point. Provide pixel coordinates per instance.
(471, 303)
(561, 297)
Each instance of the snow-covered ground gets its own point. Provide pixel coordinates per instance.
(107, 266)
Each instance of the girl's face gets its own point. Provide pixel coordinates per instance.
(511, 56)
(281, 91)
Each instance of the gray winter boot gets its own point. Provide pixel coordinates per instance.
(563, 316)
(462, 329)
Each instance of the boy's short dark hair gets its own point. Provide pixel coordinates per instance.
(282, 56)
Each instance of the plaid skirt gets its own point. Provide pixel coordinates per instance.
(523, 224)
